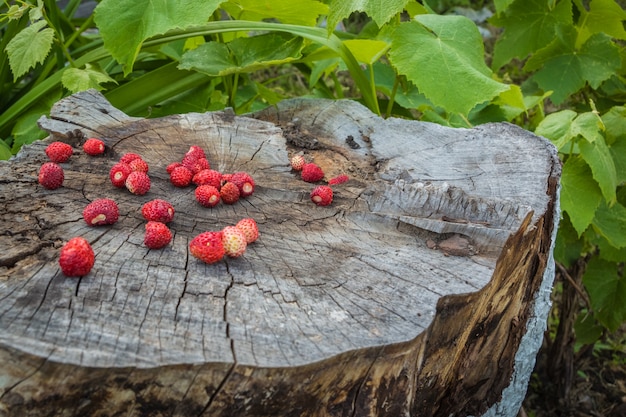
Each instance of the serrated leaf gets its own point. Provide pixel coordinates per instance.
(598, 157)
(604, 16)
(615, 123)
(587, 329)
(557, 127)
(29, 48)
(564, 69)
(529, 26)
(580, 194)
(589, 126)
(242, 54)
(618, 152)
(367, 51)
(501, 5)
(75, 79)
(126, 24)
(381, 11)
(438, 53)
(569, 245)
(295, 12)
(607, 292)
(611, 223)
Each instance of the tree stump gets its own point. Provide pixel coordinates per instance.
(422, 290)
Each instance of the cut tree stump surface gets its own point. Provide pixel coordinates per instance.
(408, 295)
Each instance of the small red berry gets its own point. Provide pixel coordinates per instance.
(127, 158)
(138, 182)
(244, 182)
(312, 173)
(100, 212)
(93, 147)
(51, 175)
(229, 193)
(297, 162)
(157, 235)
(196, 152)
(207, 247)
(77, 257)
(249, 228)
(118, 174)
(207, 195)
(158, 210)
(195, 164)
(234, 241)
(322, 195)
(59, 152)
(181, 176)
(138, 165)
(173, 165)
(208, 177)
(339, 179)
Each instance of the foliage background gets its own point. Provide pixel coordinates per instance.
(554, 67)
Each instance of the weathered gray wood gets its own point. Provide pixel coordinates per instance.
(395, 300)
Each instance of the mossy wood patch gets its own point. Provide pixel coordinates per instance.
(409, 295)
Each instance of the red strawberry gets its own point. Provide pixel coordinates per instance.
(181, 176)
(196, 152)
(127, 158)
(77, 257)
(244, 182)
(234, 241)
(158, 210)
(138, 182)
(297, 162)
(101, 211)
(209, 177)
(249, 228)
(207, 247)
(51, 175)
(207, 195)
(312, 173)
(229, 193)
(339, 179)
(59, 152)
(93, 147)
(173, 165)
(195, 164)
(138, 165)
(118, 174)
(322, 195)
(157, 235)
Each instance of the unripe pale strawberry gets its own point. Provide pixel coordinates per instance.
(249, 228)
(234, 241)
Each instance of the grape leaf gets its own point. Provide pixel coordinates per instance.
(564, 69)
(367, 51)
(126, 24)
(75, 79)
(598, 157)
(618, 152)
(501, 5)
(557, 127)
(242, 54)
(604, 16)
(296, 12)
(29, 47)
(5, 151)
(381, 11)
(438, 53)
(529, 26)
(607, 292)
(580, 194)
(610, 221)
(614, 121)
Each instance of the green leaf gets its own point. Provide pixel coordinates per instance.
(296, 12)
(443, 57)
(607, 292)
(501, 5)
(618, 152)
(126, 24)
(5, 151)
(580, 194)
(75, 79)
(615, 123)
(589, 126)
(29, 47)
(598, 157)
(569, 245)
(564, 69)
(26, 130)
(557, 127)
(587, 329)
(242, 54)
(381, 11)
(529, 26)
(367, 51)
(610, 222)
(604, 16)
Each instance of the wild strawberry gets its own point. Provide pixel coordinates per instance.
(101, 211)
(171, 167)
(157, 235)
(59, 152)
(339, 179)
(127, 158)
(195, 164)
(138, 165)
(249, 228)
(312, 173)
(196, 152)
(207, 247)
(181, 176)
(244, 182)
(51, 175)
(208, 177)
(297, 162)
(118, 174)
(138, 182)
(229, 193)
(227, 178)
(207, 195)
(93, 147)
(77, 257)
(158, 210)
(322, 195)
(234, 241)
